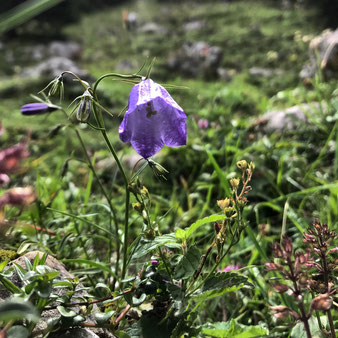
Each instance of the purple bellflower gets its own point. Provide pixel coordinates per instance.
(37, 108)
(153, 119)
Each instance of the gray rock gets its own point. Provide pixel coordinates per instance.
(76, 333)
(226, 73)
(53, 67)
(194, 25)
(196, 58)
(152, 28)
(324, 47)
(264, 72)
(65, 49)
(288, 119)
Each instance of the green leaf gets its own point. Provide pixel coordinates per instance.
(36, 260)
(233, 329)
(2, 265)
(180, 234)
(225, 280)
(17, 309)
(103, 288)
(68, 313)
(17, 331)
(24, 12)
(133, 301)
(193, 227)
(91, 263)
(29, 265)
(145, 246)
(103, 318)
(188, 264)
(10, 286)
(83, 219)
(298, 330)
(221, 283)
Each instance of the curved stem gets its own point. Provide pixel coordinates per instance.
(121, 76)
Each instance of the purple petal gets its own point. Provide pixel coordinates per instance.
(153, 120)
(36, 109)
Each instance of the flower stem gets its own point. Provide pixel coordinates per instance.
(99, 119)
(326, 280)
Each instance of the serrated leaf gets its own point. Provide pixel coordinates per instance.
(188, 264)
(180, 234)
(193, 227)
(68, 313)
(225, 280)
(175, 291)
(17, 309)
(145, 246)
(233, 329)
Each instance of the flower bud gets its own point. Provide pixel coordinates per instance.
(322, 303)
(234, 183)
(242, 164)
(84, 109)
(287, 244)
(37, 108)
(281, 311)
(280, 288)
(223, 204)
(138, 207)
(144, 192)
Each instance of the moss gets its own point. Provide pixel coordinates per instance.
(7, 255)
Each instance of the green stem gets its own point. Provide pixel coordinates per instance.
(121, 76)
(99, 119)
(209, 274)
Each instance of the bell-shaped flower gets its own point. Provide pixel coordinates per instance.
(153, 119)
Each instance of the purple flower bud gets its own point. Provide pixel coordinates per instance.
(153, 119)
(154, 262)
(37, 109)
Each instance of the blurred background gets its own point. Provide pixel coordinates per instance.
(239, 59)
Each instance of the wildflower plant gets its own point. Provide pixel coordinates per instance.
(175, 276)
(306, 275)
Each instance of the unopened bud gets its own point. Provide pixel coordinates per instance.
(144, 192)
(138, 207)
(84, 109)
(322, 303)
(242, 164)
